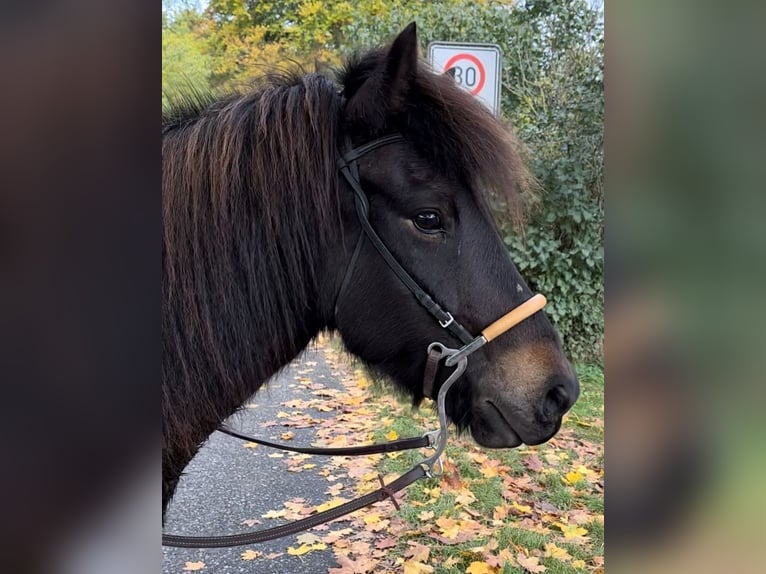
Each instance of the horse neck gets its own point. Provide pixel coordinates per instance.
(215, 356)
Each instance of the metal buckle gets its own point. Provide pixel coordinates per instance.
(448, 322)
(433, 437)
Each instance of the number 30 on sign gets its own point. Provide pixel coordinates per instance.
(475, 67)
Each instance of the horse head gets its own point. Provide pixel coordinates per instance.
(428, 201)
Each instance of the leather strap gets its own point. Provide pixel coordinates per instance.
(392, 446)
(429, 374)
(347, 166)
(386, 491)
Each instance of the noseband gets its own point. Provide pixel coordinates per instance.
(455, 358)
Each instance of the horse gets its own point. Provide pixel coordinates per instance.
(263, 248)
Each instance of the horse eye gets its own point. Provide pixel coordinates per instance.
(428, 221)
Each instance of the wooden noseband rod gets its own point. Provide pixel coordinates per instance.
(503, 324)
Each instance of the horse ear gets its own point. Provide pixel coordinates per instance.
(450, 73)
(402, 66)
(384, 91)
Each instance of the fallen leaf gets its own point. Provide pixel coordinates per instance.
(307, 538)
(449, 527)
(392, 435)
(530, 563)
(250, 445)
(334, 490)
(480, 568)
(192, 566)
(523, 508)
(572, 531)
(426, 515)
(251, 554)
(289, 435)
(274, 514)
(553, 551)
(579, 564)
(434, 492)
(330, 504)
(300, 551)
(488, 471)
(533, 463)
(385, 543)
(417, 552)
(573, 477)
(412, 567)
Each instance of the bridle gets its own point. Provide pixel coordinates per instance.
(456, 358)
(348, 167)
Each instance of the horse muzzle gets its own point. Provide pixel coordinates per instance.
(523, 399)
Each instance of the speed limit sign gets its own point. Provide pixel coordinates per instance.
(475, 67)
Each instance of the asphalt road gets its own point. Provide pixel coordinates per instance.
(227, 483)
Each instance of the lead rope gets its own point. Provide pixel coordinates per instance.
(420, 470)
(426, 468)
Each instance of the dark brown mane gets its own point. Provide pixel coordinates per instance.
(249, 197)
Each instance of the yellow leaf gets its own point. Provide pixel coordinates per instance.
(412, 567)
(449, 527)
(572, 531)
(488, 471)
(434, 492)
(392, 435)
(553, 551)
(274, 514)
(373, 518)
(330, 504)
(480, 568)
(300, 551)
(250, 445)
(289, 435)
(251, 554)
(192, 566)
(573, 477)
(579, 564)
(521, 507)
(426, 515)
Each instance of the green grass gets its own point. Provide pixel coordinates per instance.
(584, 423)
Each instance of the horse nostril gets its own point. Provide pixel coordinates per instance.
(561, 396)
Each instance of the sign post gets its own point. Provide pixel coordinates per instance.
(476, 67)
